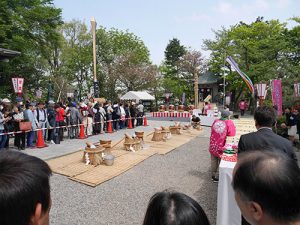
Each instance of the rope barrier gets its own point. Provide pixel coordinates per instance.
(69, 126)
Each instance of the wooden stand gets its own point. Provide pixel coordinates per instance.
(132, 144)
(140, 135)
(175, 129)
(157, 135)
(94, 154)
(107, 145)
(166, 133)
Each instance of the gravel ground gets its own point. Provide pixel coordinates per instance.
(123, 200)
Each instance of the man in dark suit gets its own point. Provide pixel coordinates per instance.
(264, 137)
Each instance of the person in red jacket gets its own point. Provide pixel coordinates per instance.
(243, 106)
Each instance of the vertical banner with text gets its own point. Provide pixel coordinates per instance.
(277, 95)
(18, 84)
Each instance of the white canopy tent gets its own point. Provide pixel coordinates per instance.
(137, 96)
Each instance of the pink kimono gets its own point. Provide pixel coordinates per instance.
(219, 131)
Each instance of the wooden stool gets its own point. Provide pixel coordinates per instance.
(94, 155)
(140, 135)
(132, 144)
(105, 142)
(175, 129)
(166, 133)
(107, 145)
(157, 135)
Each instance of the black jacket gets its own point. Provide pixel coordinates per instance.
(264, 139)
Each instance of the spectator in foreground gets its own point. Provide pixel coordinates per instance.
(266, 185)
(24, 189)
(173, 208)
(264, 137)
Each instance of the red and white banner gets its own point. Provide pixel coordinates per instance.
(261, 90)
(277, 95)
(297, 89)
(172, 114)
(18, 84)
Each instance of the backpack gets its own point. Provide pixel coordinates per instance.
(117, 111)
(97, 116)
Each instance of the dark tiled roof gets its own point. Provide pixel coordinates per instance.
(208, 78)
(6, 53)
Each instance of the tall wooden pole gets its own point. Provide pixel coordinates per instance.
(96, 85)
(94, 24)
(196, 89)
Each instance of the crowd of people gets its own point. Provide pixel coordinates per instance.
(266, 178)
(54, 119)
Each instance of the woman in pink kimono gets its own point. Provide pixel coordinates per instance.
(221, 128)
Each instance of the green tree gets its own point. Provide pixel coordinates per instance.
(259, 48)
(77, 55)
(173, 52)
(29, 27)
(115, 50)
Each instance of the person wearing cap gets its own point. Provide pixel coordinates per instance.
(40, 114)
(220, 129)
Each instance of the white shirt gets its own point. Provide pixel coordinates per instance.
(19, 116)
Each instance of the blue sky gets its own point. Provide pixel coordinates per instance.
(191, 21)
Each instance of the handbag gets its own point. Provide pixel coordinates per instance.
(25, 126)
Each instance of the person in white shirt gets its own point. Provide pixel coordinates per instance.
(140, 114)
(122, 117)
(41, 117)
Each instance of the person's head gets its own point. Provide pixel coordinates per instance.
(57, 107)
(173, 208)
(264, 116)
(225, 114)
(287, 110)
(17, 109)
(266, 185)
(41, 105)
(24, 189)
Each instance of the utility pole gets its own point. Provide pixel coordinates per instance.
(196, 88)
(96, 84)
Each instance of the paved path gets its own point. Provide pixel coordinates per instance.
(123, 200)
